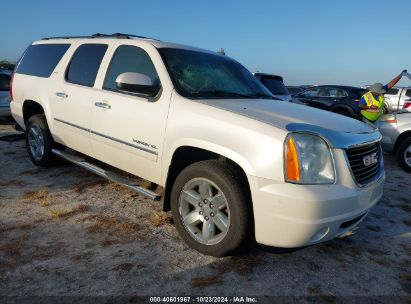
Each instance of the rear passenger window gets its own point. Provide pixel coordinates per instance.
(392, 92)
(41, 59)
(85, 63)
(129, 58)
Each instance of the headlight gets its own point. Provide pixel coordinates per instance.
(308, 160)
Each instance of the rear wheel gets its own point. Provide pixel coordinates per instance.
(211, 208)
(404, 154)
(39, 141)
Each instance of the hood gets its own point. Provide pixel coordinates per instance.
(338, 130)
(284, 97)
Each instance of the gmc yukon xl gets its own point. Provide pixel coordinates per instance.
(234, 163)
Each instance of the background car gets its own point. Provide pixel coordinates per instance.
(396, 136)
(294, 90)
(397, 98)
(5, 96)
(338, 99)
(275, 84)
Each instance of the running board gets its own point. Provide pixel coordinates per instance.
(106, 174)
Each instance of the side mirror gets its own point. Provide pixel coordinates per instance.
(137, 83)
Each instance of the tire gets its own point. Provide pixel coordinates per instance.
(39, 141)
(404, 154)
(226, 190)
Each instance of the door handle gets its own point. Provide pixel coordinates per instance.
(102, 105)
(61, 94)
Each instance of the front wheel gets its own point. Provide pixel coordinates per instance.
(39, 141)
(211, 208)
(404, 154)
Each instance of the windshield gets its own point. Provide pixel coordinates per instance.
(276, 86)
(203, 75)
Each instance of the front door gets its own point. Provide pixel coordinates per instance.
(127, 130)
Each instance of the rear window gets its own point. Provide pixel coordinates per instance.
(392, 92)
(276, 86)
(4, 82)
(41, 59)
(85, 63)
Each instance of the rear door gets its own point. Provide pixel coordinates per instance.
(74, 96)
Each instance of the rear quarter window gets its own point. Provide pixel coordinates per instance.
(41, 59)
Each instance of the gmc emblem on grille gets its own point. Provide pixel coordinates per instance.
(370, 159)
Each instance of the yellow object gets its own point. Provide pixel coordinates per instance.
(292, 166)
(372, 114)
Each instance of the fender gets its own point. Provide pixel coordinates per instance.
(205, 145)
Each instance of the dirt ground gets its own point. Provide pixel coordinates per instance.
(64, 231)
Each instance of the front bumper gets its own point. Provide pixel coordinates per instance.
(290, 215)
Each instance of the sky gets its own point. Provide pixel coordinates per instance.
(307, 42)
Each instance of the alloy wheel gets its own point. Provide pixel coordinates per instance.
(204, 211)
(36, 142)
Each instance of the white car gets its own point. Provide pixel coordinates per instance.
(397, 98)
(235, 163)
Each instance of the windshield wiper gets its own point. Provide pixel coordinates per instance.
(233, 94)
(259, 95)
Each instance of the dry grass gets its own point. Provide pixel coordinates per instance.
(108, 242)
(123, 267)
(161, 218)
(81, 257)
(82, 186)
(63, 213)
(314, 290)
(201, 282)
(42, 196)
(14, 247)
(13, 183)
(242, 265)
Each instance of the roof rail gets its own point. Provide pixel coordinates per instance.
(99, 35)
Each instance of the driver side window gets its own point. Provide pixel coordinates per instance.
(129, 58)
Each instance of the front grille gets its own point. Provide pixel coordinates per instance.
(365, 162)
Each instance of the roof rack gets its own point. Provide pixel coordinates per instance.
(99, 35)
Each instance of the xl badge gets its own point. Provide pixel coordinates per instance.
(370, 159)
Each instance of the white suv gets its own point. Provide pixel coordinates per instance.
(235, 163)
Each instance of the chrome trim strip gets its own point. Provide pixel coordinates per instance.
(123, 142)
(106, 136)
(72, 125)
